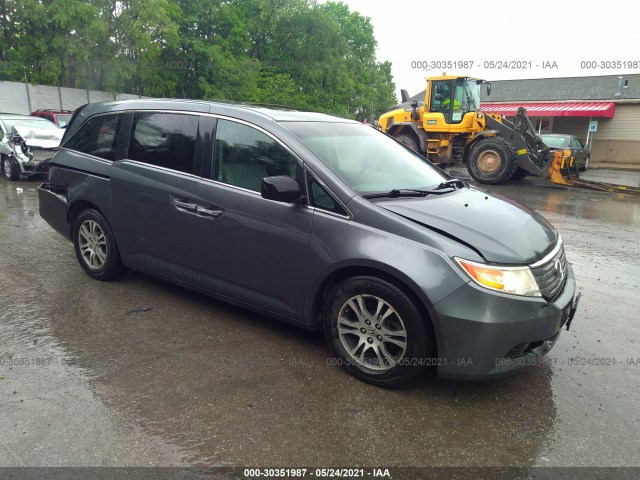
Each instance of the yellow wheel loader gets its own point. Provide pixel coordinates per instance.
(448, 128)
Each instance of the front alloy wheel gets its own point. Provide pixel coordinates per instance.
(372, 332)
(376, 332)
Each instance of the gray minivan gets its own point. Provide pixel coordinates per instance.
(319, 221)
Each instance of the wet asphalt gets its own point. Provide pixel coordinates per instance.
(139, 372)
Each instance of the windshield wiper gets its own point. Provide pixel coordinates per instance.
(451, 183)
(411, 192)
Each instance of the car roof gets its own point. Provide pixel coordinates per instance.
(14, 116)
(10, 116)
(559, 135)
(247, 111)
(51, 110)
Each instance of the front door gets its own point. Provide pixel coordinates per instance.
(252, 249)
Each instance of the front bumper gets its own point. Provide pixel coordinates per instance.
(35, 167)
(484, 334)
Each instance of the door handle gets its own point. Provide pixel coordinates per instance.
(184, 205)
(208, 212)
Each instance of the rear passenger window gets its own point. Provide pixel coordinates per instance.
(164, 139)
(97, 136)
(244, 156)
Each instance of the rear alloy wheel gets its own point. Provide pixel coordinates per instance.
(376, 332)
(11, 168)
(95, 246)
(492, 160)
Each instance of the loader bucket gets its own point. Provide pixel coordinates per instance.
(562, 171)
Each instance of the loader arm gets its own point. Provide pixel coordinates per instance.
(533, 154)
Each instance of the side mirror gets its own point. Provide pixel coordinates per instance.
(488, 89)
(281, 189)
(404, 95)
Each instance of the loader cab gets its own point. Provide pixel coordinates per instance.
(453, 98)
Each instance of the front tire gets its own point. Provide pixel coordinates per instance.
(492, 160)
(95, 246)
(520, 174)
(11, 168)
(376, 332)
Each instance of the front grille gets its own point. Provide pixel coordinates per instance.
(551, 274)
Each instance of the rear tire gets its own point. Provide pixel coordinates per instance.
(95, 246)
(492, 160)
(376, 332)
(586, 165)
(10, 168)
(409, 141)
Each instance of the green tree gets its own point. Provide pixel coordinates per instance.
(294, 52)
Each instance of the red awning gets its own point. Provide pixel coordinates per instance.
(555, 109)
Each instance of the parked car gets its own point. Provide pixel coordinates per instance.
(60, 117)
(579, 151)
(26, 144)
(318, 221)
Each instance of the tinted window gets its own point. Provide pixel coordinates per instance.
(164, 139)
(575, 143)
(97, 136)
(244, 156)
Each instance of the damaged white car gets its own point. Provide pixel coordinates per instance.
(27, 145)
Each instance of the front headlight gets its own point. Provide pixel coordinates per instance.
(514, 280)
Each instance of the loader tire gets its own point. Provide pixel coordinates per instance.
(409, 141)
(520, 174)
(492, 160)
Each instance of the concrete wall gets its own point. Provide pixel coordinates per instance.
(23, 98)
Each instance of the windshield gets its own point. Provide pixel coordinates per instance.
(30, 123)
(364, 158)
(552, 141)
(471, 96)
(63, 120)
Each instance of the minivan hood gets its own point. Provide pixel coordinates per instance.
(502, 230)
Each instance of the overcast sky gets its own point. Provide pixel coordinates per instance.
(534, 33)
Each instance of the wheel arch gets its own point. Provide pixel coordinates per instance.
(479, 136)
(410, 128)
(396, 279)
(78, 206)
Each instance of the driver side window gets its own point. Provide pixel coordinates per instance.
(440, 96)
(245, 155)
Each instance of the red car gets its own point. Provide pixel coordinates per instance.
(59, 117)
